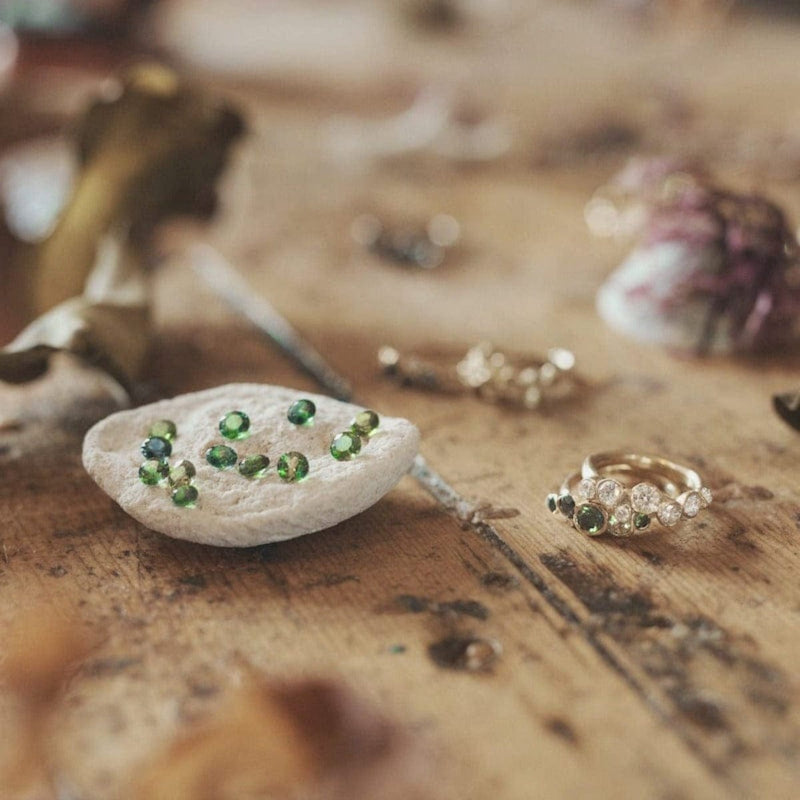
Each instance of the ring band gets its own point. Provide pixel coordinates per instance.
(622, 493)
(489, 374)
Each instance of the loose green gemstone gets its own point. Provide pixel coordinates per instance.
(185, 496)
(164, 429)
(566, 505)
(552, 502)
(221, 456)
(253, 466)
(346, 445)
(590, 519)
(182, 473)
(640, 521)
(301, 412)
(156, 447)
(365, 423)
(153, 471)
(293, 466)
(235, 425)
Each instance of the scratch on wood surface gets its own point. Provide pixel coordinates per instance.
(671, 650)
(562, 728)
(499, 580)
(451, 608)
(331, 579)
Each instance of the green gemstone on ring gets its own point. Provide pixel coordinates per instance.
(301, 412)
(235, 425)
(552, 503)
(566, 505)
(185, 495)
(590, 519)
(346, 445)
(292, 467)
(640, 521)
(253, 466)
(365, 422)
(156, 447)
(221, 456)
(164, 429)
(153, 471)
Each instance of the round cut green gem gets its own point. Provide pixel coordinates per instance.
(365, 423)
(253, 466)
(566, 505)
(185, 495)
(293, 466)
(181, 473)
(552, 503)
(346, 445)
(235, 425)
(640, 521)
(590, 519)
(301, 412)
(164, 429)
(153, 471)
(221, 456)
(156, 447)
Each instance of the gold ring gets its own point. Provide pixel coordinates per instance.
(622, 493)
(489, 374)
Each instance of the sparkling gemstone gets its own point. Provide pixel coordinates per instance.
(641, 521)
(235, 425)
(153, 471)
(156, 447)
(692, 504)
(669, 513)
(590, 519)
(365, 423)
(346, 445)
(585, 490)
(292, 466)
(221, 456)
(609, 492)
(645, 498)
(566, 505)
(618, 527)
(623, 512)
(552, 503)
(547, 374)
(185, 495)
(301, 412)
(164, 429)
(532, 397)
(181, 473)
(561, 358)
(254, 466)
(705, 493)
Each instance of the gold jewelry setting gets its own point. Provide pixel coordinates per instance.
(489, 374)
(625, 493)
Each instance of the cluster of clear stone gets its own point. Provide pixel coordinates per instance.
(493, 376)
(599, 505)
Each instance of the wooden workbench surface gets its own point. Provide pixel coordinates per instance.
(663, 666)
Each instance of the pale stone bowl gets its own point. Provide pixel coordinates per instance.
(234, 511)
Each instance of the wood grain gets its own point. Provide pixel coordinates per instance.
(663, 666)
